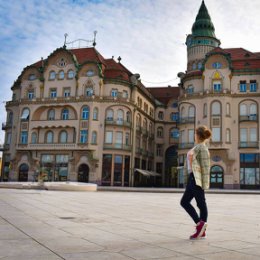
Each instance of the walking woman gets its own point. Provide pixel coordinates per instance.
(197, 170)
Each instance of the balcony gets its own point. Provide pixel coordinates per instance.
(117, 122)
(174, 140)
(34, 124)
(186, 120)
(6, 125)
(254, 145)
(185, 145)
(246, 118)
(115, 146)
(45, 146)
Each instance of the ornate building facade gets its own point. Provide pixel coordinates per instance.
(220, 89)
(80, 117)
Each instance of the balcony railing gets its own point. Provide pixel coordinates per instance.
(249, 145)
(248, 118)
(45, 146)
(118, 122)
(6, 125)
(186, 120)
(118, 146)
(185, 145)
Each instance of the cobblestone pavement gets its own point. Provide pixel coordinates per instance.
(52, 225)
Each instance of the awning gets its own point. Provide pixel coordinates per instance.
(147, 173)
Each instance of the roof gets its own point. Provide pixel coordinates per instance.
(240, 57)
(164, 94)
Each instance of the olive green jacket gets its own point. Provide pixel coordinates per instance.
(200, 166)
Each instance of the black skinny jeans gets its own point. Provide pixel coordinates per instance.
(194, 191)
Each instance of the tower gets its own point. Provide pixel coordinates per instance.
(201, 40)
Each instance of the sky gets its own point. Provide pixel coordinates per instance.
(149, 35)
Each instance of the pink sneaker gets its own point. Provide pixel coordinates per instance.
(200, 230)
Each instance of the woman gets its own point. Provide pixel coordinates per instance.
(197, 171)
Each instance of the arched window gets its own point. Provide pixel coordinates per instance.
(61, 74)
(215, 109)
(70, 74)
(243, 110)
(49, 137)
(174, 133)
(110, 115)
(191, 112)
(51, 114)
(10, 118)
(160, 132)
(85, 113)
(52, 75)
(228, 135)
(95, 113)
(120, 116)
(160, 115)
(25, 114)
(205, 110)
(228, 109)
(94, 137)
(65, 114)
(128, 116)
(63, 137)
(34, 138)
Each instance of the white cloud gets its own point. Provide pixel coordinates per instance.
(149, 35)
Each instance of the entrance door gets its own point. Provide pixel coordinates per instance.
(216, 177)
(23, 172)
(83, 173)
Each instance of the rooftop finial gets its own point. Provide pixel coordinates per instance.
(94, 41)
(65, 40)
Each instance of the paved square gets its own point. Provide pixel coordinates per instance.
(39, 224)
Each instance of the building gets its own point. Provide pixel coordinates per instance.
(80, 117)
(220, 89)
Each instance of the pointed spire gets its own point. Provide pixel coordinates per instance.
(203, 25)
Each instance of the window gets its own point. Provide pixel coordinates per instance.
(160, 115)
(32, 77)
(199, 65)
(216, 65)
(216, 109)
(83, 136)
(52, 75)
(66, 92)
(217, 86)
(110, 115)
(62, 62)
(89, 91)
(51, 114)
(128, 117)
(25, 114)
(174, 133)
(49, 137)
(127, 139)
(243, 134)
(159, 150)
(228, 136)
(109, 137)
(95, 114)
(10, 118)
(8, 138)
(252, 112)
(30, 94)
(190, 136)
(175, 117)
(114, 92)
(90, 73)
(194, 66)
(205, 110)
(120, 117)
(70, 74)
(34, 138)
(94, 137)
(65, 114)
(24, 137)
(119, 139)
(61, 74)
(85, 113)
(253, 86)
(253, 135)
(242, 86)
(228, 109)
(125, 94)
(191, 112)
(190, 89)
(63, 137)
(160, 132)
(216, 137)
(53, 93)
(243, 110)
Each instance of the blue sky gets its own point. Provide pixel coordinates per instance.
(149, 35)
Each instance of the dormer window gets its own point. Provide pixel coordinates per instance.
(90, 73)
(253, 86)
(32, 77)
